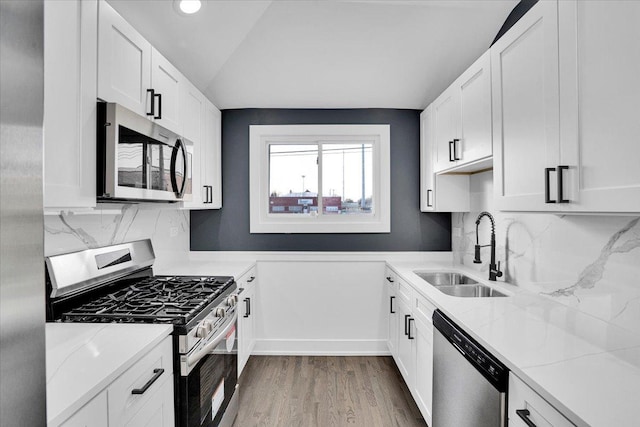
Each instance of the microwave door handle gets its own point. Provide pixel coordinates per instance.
(174, 173)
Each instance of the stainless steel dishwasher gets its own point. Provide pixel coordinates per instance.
(469, 384)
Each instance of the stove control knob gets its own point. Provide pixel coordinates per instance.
(201, 332)
(221, 312)
(208, 326)
(232, 300)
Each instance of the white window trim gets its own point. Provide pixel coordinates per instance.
(260, 136)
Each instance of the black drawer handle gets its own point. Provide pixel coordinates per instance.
(451, 154)
(153, 98)
(560, 184)
(411, 319)
(455, 145)
(389, 279)
(429, 204)
(391, 310)
(524, 414)
(156, 374)
(159, 116)
(547, 190)
(247, 311)
(251, 279)
(406, 324)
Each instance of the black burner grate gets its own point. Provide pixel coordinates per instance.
(160, 299)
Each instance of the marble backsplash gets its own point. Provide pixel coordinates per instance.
(166, 226)
(590, 262)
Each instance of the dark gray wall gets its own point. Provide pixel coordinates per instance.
(227, 229)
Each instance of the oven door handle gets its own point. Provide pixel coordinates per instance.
(190, 360)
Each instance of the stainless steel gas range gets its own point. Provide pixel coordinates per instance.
(116, 284)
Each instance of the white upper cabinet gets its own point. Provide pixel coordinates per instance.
(474, 128)
(212, 157)
(462, 120)
(438, 193)
(124, 62)
(566, 111)
(599, 105)
(134, 74)
(444, 129)
(524, 70)
(70, 37)
(166, 82)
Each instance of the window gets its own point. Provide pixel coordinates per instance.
(320, 179)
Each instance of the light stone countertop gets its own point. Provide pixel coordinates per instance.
(585, 367)
(84, 358)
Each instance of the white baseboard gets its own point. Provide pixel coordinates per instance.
(321, 348)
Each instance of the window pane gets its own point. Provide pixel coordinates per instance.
(293, 178)
(347, 178)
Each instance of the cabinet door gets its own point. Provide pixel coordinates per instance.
(192, 104)
(392, 315)
(524, 72)
(213, 153)
(166, 82)
(540, 413)
(445, 109)
(246, 318)
(424, 367)
(124, 61)
(406, 358)
(158, 411)
(600, 112)
(93, 414)
(474, 128)
(70, 37)
(427, 177)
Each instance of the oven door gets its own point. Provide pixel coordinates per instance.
(208, 380)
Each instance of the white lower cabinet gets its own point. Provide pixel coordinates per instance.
(141, 396)
(93, 414)
(392, 312)
(411, 330)
(527, 405)
(246, 318)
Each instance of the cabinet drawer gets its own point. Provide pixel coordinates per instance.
(123, 404)
(540, 412)
(248, 279)
(423, 310)
(405, 291)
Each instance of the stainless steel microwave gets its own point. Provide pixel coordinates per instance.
(139, 160)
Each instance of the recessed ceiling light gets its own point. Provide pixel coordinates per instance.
(187, 7)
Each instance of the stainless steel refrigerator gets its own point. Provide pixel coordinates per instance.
(22, 299)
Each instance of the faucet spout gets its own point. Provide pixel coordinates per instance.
(494, 270)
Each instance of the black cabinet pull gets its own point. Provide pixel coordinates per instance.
(524, 415)
(247, 302)
(156, 375)
(451, 158)
(391, 304)
(547, 190)
(428, 198)
(406, 324)
(560, 184)
(411, 319)
(389, 279)
(211, 194)
(251, 279)
(455, 146)
(159, 116)
(153, 99)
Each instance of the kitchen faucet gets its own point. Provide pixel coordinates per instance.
(494, 271)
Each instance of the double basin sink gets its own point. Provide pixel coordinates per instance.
(458, 285)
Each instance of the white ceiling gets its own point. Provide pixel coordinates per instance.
(320, 54)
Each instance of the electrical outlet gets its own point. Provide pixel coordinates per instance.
(173, 231)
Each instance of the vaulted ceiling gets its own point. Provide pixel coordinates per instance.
(320, 54)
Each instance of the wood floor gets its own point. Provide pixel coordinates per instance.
(291, 391)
